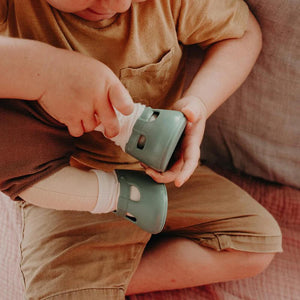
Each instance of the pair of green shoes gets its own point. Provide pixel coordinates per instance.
(154, 138)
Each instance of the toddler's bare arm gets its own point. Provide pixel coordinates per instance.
(225, 67)
(76, 90)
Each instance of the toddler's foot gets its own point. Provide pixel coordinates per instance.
(150, 135)
(134, 196)
(155, 136)
(142, 200)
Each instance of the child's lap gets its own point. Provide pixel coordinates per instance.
(216, 213)
(78, 251)
(102, 251)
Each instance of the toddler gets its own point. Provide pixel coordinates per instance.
(72, 66)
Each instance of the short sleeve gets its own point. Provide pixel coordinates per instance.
(3, 12)
(205, 22)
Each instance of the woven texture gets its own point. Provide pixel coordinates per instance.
(11, 283)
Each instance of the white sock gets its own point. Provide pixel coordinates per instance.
(108, 192)
(126, 125)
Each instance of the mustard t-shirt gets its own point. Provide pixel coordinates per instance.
(144, 47)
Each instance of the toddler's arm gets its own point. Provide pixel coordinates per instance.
(76, 90)
(226, 65)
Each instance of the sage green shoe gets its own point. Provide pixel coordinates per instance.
(150, 211)
(155, 136)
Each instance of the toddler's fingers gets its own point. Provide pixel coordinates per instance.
(75, 128)
(165, 177)
(120, 98)
(186, 172)
(98, 121)
(192, 107)
(89, 123)
(192, 112)
(190, 154)
(188, 168)
(106, 114)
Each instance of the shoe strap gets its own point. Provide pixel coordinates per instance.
(123, 197)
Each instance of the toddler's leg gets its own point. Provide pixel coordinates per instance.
(77, 255)
(67, 189)
(133, 195)
(214, 232)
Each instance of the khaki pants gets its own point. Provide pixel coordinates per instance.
(78, 255)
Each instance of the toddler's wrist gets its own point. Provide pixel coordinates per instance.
(204, 108)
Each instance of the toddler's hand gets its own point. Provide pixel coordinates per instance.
(189, 153)
(81, 92)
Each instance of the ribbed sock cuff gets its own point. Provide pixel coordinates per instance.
(108, 192)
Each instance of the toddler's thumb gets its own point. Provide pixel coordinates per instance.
(120, 98)
(191, 107)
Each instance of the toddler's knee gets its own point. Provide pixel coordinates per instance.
(267, 225)
(258, 262)
(259, 220)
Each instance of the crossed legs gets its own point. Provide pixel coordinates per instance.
(177, 263)
(214, 232)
